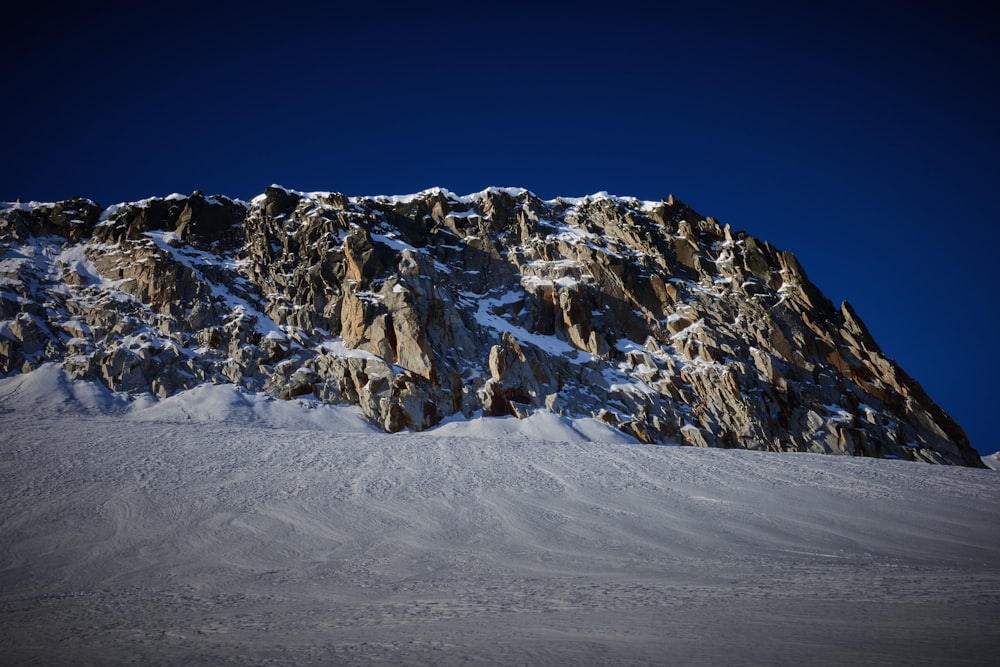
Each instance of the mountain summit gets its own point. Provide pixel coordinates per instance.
(646, 315)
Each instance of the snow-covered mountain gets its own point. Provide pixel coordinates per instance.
(646, 316)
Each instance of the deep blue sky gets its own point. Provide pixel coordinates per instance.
(863, 139)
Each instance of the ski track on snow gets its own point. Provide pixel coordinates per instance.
(130, 540)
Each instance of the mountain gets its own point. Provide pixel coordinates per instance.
(656, 320)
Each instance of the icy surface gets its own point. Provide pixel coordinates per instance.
(219, 527)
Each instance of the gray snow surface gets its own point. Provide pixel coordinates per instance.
(219, 527)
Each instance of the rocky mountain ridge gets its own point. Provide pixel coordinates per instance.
(659, 321)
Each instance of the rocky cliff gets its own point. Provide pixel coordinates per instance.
(655, 319)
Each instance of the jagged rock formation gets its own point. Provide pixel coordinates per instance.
(657, 320)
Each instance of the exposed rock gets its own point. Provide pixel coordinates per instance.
(656, 320)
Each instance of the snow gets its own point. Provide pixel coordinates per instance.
(532, 283)
(479, 196)
(218, 526)
(262, 197)
(620, 381)
(487, 317)
(48, 390)
(337, 348)
(471, 213)
(570, 234)
(394, 243)
(603, 194)
(448, 194)
(542, 425)
(226, 403)
(31, 205)
(75, 259)
(514, 192)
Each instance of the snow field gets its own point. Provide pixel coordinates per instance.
(216, 527)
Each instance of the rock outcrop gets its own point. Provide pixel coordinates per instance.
(661, 322)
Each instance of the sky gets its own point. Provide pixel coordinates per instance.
(863, 139)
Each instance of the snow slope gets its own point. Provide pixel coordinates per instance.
(218, 527)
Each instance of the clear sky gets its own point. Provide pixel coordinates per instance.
(861, 136)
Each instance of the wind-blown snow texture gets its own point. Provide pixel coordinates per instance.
(221, 526)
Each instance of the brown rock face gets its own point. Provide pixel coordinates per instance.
(652, 318)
